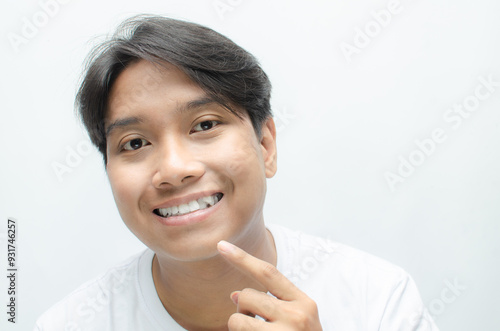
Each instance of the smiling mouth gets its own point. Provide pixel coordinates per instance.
(199, 204)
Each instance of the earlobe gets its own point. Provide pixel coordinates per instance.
(268, 145)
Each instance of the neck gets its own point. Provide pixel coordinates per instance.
(197, 294)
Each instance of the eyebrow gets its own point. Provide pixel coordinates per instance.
(122, 122)
(196, 104)
(189, 106)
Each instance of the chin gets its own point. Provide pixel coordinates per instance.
(192, 249)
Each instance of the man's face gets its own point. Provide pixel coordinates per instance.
(171, 150)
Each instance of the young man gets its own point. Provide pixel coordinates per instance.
(182, 118)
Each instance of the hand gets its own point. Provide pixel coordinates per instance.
(292, 309)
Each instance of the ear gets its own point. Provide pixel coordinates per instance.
(268, 146)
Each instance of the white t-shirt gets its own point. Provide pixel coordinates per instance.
(352, 289)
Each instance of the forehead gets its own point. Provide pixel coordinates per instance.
(145, 88)
(143, 82)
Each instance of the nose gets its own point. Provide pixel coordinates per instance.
(176, 163)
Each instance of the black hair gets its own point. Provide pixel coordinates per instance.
(225, 71)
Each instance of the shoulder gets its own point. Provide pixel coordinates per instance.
(353, 289)
(312, 252)
(92, 301)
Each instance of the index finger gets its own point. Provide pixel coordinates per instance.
(262, 271)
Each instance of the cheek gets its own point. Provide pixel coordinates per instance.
(125, 185)
(241, 159)
(242, 165)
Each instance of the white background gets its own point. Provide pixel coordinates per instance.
(343, 125)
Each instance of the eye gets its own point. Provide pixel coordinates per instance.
(205, 125)
(135, 144)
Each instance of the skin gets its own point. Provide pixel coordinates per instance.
(291, 309)
(165, 140)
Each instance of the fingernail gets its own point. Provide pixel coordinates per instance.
(234, 296)
(224, 246)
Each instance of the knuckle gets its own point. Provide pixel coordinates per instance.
(269, 305)
(311, 305)
(305, 315)
(311, 309)
(270, 271)
(302, 319)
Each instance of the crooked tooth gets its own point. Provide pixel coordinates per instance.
(164, 211)
(209, 200)
(202, 203)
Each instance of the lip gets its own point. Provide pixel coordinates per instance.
(185, 199)
(191, 218)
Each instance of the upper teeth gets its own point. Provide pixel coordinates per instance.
(191, 206)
